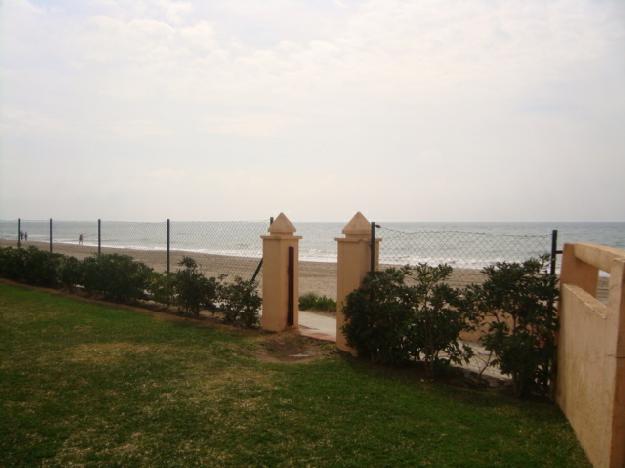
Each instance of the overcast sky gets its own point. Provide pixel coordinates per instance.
(424, 110)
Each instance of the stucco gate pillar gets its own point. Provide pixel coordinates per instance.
(280, 276)
(353, 264)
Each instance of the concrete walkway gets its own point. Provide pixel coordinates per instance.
(322, 326)
(319, 325)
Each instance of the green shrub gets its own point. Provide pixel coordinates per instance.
(379, 317)
(71, 272)
(43, 268)
(117, 277)
(31, 265)
(193, 290)
(438, 317)
(519, 300)
(12, 263)
(240, 302)
(313, 301)
(34, 266)
(405, 314)
(160, 288)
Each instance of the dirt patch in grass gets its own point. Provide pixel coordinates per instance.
(291, 347)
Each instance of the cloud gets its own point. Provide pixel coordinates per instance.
(379, 93)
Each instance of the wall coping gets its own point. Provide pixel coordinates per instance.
(592, 305)
(598, 256)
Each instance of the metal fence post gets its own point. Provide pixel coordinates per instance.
(167, 266)
(260, 264)
(51, 235)
(291, 298)
(554, 251)
(19, 232)
(167, 246)
(372, 246)
(99, 236)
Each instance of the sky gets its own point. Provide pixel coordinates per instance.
(424, 110)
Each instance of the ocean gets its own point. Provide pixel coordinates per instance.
(464, 245)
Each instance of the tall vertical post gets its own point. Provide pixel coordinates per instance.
(280, 276)
(167, 246)
(50, 234)
(357, 255)
(260, 264)
(167, 267)
(554, 251)
(99, 236)
(19, 232)
(291, 275)
(372, 248)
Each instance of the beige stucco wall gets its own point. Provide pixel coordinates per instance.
(591, 368)
(353, 264)
(276, 275)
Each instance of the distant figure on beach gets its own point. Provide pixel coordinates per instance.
(26, 236)
(80, 239)
(21, 235)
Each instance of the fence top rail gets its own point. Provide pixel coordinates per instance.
(489, 234)
(598, 256)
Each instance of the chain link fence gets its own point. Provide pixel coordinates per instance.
(232, 248)
(467, 252)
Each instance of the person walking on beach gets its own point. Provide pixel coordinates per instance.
(80, 239)
(26, 236)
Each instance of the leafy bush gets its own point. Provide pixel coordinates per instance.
(438, 317)
(39, 267)
(313, 301)
(12, 263)
(31, 265)
(160, 288)
(117, 277)
(42, 268)
(193, 290)
(71, 272)
(379, 317)
(519, 300)
(240, 302)
(398, 315)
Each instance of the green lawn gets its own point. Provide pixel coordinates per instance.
(91, 384)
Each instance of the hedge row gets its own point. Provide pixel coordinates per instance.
(396, 316)
(411, 314)
(121, 279)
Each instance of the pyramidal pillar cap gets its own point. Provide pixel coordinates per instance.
(357, 226)
(281, 225)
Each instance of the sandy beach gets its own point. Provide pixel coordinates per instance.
(317, 277)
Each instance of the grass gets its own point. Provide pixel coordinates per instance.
(313, 301)
(91, 384)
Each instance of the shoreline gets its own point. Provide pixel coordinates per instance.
(316, 277)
